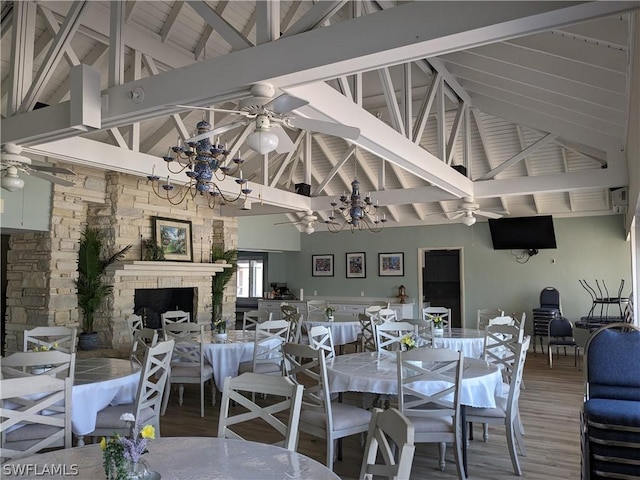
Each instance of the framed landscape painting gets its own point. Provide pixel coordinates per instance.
(174, 237)
(322, 265)
(356, 265)
(391, 264)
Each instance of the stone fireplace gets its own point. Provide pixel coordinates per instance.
(151, 303)
(42, 266)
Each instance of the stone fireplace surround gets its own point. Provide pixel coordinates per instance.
(42, 266)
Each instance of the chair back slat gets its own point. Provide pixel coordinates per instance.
(26, 364)
(429, 313)
(389, 335)
(50, 338)
(320, 338)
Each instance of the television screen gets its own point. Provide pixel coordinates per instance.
(522, 233)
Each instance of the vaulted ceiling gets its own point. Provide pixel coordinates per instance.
(532, 98)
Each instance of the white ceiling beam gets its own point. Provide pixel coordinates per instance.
(526, 165)
(208, 31)
(407, 101)
(314, 17)
(466, 146)
(287, 158)
(220, 25)
(364, 166)
(337, 165)
(158, 135)
(165, 31)
(117, 21)
(425, 108)
(563, 152)
(23, 30)
(439, 66)
(95, 154)
(267, 21)
(441, 122)
(118, 138)
(345, 88)
(48, 66)
(582, 150)
(412, 31)
(549, 123)
(326, 150)
(455, 130)
(391, 100)
(379, 138)
(93, 59)
(134, 73)
(520, 156)
(53, 27)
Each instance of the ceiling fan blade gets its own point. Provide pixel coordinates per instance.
(284, 142)
(289, 223)
(52, 169)
(488, 214)
(458, 215)
(330, 128)
(216, 131)
(285, 103)
(211, 109)
(51, 178)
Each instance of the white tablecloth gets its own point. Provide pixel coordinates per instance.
(377, 373)
(179, 458)
(344, 329)
(468, 341)
(100, 382)
(226, 357)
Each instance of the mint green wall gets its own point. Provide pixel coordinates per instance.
(588, 248)
(258, 233)
(32, 214)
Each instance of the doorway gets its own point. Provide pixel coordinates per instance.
(441, 285)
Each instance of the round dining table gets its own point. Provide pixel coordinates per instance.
(466, 340)
(344, 328)
(98, 383)
(179, 458)
(225, 356)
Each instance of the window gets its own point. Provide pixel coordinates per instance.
(251, 270)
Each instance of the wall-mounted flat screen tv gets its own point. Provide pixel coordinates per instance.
(522, 233)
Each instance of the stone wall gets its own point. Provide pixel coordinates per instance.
(42, 267)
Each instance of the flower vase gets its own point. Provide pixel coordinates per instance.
(330, 318)
(438, 332)
(137, 470)
(220, 337)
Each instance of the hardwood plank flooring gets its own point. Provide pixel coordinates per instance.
(550, 408)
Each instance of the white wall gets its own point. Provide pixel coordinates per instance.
(258, 233)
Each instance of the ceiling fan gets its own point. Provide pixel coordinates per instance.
(468, 209)
(269, 115)
(308, 220)
(12, 161)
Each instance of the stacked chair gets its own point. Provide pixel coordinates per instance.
(610, 420)
(549, 309)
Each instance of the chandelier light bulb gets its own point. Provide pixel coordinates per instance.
(469, 219)
(262, 141)
(11, 181)
(309, 229)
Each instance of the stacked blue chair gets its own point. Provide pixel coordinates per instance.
(611, 412)
(549, 309)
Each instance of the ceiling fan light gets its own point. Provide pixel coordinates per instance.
(11, 181)
(262, 141)
(309, 229)
(469, 220)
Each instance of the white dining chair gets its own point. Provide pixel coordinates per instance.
(390, 438)
(235, 390)
(483, 315)
(320, 416)
(428, 313)
(53, 363)
(507, 411)
(175, 316)
(316, 309)
(148, 402)
(503, 320)
(435, 415)
(143, 339)
(267, 348)
(387, 315)
(188, 364)
(252, 317)
(50, 338)
(40, 416)
(320, 338)
(134, 323)
(389, 335)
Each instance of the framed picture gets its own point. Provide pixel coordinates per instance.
(322, 265)
(356, 266)
(391, 264)
(174, 237)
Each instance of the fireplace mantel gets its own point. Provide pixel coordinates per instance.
(166, 269)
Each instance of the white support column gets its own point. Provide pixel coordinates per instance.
(22, 43)
(116, 43)
(287, 159)
(85, 107)
(307, 159)
(135, 73)
(441, 127)
(425, 108)
(267, 21)
(467, 160)
(392, 102)
(407, 101)
(455, 129)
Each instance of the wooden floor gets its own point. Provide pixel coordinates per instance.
(549, 405)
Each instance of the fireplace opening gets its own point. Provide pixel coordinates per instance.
(150, 303)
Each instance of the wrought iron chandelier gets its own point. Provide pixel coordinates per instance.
(356, 212)
(201, 161)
